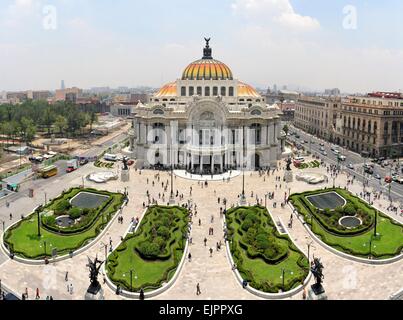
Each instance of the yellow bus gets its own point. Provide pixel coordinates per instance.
(47, 172)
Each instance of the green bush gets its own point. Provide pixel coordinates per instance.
(350, 210)
(75, 213)
(62, 206)
(149, 249)
(163, 232)
(49, 220)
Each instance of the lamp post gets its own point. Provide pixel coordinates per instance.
(131, 280)
(38, 211)
(283, 276)
(309, 248)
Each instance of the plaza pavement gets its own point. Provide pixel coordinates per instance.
(344, 279)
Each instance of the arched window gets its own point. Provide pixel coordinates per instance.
(183, 91)
(207, 91)
(256, 113)
(231, 91)
(223, 91)
(191, 91)
(158, 111)
(215, 91)
(256, 133)
(199, 91)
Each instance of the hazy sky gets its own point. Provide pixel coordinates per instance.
(310, 43)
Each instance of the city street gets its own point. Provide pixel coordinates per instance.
(351, 158)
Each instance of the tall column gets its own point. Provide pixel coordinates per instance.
(192, 161)
(222, 163)
(212, 164)
(201, 164)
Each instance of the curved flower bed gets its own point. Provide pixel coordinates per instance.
(261, 253)
(359, 241)
(22, 238)
(152, 253)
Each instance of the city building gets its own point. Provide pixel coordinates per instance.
(70, 94)
(372, 124)
(332, 92)
(318, 115)
(207, 122)
(38, 95)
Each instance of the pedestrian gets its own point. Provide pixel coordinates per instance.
(205, 242)
(37, 294)
(211, 252)
(198, 292)
(11, 216)
(190, 257)
(199, 222)
(66, 278)
(71, 288)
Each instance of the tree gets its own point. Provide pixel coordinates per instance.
(27, 130)
(48, 118)
(61, 124)
(93, 119)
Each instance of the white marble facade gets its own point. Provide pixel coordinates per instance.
(206, 122)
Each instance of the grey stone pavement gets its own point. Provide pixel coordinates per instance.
(344, 279)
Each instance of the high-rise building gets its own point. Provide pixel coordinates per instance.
(62, 87)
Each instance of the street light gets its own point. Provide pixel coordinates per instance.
(283, 276)
(309, 247)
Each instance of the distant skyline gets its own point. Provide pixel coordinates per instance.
(98, 43)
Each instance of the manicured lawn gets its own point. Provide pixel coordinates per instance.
(23, 240)
(260, 262)
(387, 245)
(165, 227)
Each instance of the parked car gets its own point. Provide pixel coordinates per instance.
(377, 176)
(350, 166)
(83, 162)
(324, 153)
(322, 144)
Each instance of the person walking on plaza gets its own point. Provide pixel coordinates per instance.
(190, 257)
(71, 288)
(66, 277)
(37, 294)
(205, 242)
(198, 292)
(211, 252)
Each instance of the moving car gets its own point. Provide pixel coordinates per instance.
(377, 176)
(350, 166)
(83, 162)
(110, 157)
(324, 153)
(322, 149)
(341, 158)
(72, 165)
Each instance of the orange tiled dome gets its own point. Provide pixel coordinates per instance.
(207, 69)
(245, 90)
(169, 90)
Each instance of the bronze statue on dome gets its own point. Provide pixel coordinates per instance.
(207, 42)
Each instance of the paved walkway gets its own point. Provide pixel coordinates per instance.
(344, 279)
(197, 177)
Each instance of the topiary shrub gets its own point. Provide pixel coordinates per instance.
(163, 232)
(149, 249)
(62, 206)
(350, 210)
(75, 213)
(49, 220)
